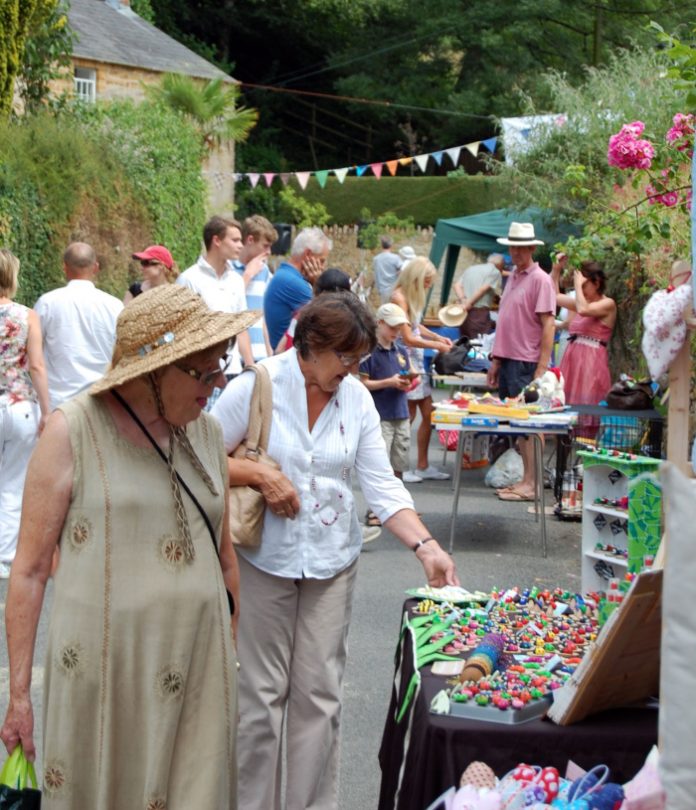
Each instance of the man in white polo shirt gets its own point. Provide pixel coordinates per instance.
(78, 324)
(218, 284)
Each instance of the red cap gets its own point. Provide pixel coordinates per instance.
(158, 252)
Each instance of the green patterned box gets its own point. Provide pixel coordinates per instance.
(644, 500)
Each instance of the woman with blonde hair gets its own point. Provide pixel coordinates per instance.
(410, 292)
(23, 394)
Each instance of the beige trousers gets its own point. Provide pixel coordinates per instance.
(292, 652)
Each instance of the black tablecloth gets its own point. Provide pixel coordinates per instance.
(440, 747)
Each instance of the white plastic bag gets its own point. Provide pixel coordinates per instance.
(506, 471)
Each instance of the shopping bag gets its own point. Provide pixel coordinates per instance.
(15, 779)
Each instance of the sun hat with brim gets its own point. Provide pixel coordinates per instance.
(452, 315)
(163, 325)
(521, 234)
(407, 253)
(157, 252)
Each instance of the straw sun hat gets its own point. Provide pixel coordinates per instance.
(163, 325)
(452, 315)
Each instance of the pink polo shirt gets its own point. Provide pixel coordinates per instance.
(527, 295)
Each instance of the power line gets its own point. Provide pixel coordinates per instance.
(374, 102)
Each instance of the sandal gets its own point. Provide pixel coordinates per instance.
(371, 519)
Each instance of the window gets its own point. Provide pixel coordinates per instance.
(86, 84)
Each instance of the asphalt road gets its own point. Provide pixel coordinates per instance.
(497, 543)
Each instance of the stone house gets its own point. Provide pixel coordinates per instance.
(116, 52)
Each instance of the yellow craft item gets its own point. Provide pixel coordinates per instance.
(498, 410)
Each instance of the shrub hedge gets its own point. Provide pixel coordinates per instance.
(118, 176)
(426, 199)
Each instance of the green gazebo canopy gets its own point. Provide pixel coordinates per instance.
(479, 233)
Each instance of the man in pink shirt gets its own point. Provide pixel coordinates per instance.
(523, 337)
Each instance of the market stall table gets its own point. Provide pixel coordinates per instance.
(504, 429)
(425, 754)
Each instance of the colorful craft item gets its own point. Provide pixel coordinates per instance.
(485, 659)
(479, 775)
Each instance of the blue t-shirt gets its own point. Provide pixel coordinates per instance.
(287, 292)
(382, 363)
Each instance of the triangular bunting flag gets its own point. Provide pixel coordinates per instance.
(360, 170)
(302, 179)
(268, 177)
(473, 147)
(253, 178)
(340, 174)
(377, 169)
(453, 154)
(405, 161)
(421, 161)
(284, 177)
(490, 144)
(238, 177)
(437, 157)
(322, 177)
(392, 165)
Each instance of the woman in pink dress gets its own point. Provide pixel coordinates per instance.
(585, 364)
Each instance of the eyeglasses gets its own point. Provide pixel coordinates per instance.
(348, 360)
(206, 377)
(149, 262)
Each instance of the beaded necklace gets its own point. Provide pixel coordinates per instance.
(325, 511)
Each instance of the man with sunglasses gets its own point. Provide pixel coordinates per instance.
(78, 323)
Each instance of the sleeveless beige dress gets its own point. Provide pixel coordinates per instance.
(140, 701)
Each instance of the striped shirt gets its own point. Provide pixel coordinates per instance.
(254, 300)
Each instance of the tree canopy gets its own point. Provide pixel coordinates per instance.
(434, 76)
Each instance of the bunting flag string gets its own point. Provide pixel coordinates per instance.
(376, 168)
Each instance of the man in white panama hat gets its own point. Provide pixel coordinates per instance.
(523, 337)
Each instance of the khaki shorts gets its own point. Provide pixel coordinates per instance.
(397, 437)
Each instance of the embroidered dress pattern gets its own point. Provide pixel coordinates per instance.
(70, 659)
(80, 533)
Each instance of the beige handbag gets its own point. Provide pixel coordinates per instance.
(247, 505)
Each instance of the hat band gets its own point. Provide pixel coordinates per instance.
(521, 238)
(166, 338)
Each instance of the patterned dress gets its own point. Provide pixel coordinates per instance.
(140, 698)
(15, 382)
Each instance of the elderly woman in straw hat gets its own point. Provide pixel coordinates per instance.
(129, 480)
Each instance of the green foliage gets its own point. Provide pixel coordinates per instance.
(160, 156)
(566, 169)
(444, 68)
(424, 199)
(682, 67)
(117, 176)
(15, 16)
(283, 206)
(143, 8)
(212, 108)
(301, 212)
(371, 232)
(47, 51)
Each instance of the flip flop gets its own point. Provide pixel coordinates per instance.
(513, 495)
(371, 519)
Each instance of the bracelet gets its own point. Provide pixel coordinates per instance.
(422, 543)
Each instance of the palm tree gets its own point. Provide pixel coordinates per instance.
(212, 107)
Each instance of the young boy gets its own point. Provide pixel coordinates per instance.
(387, 374)
(258, 234)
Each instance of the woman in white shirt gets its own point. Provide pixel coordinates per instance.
(296, 588)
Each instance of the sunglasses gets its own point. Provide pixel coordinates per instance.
(149, 262)
(348, 360)
(209, 377)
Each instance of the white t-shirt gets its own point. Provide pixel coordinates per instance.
(325, 537)
(223, 293)
(78, 324)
